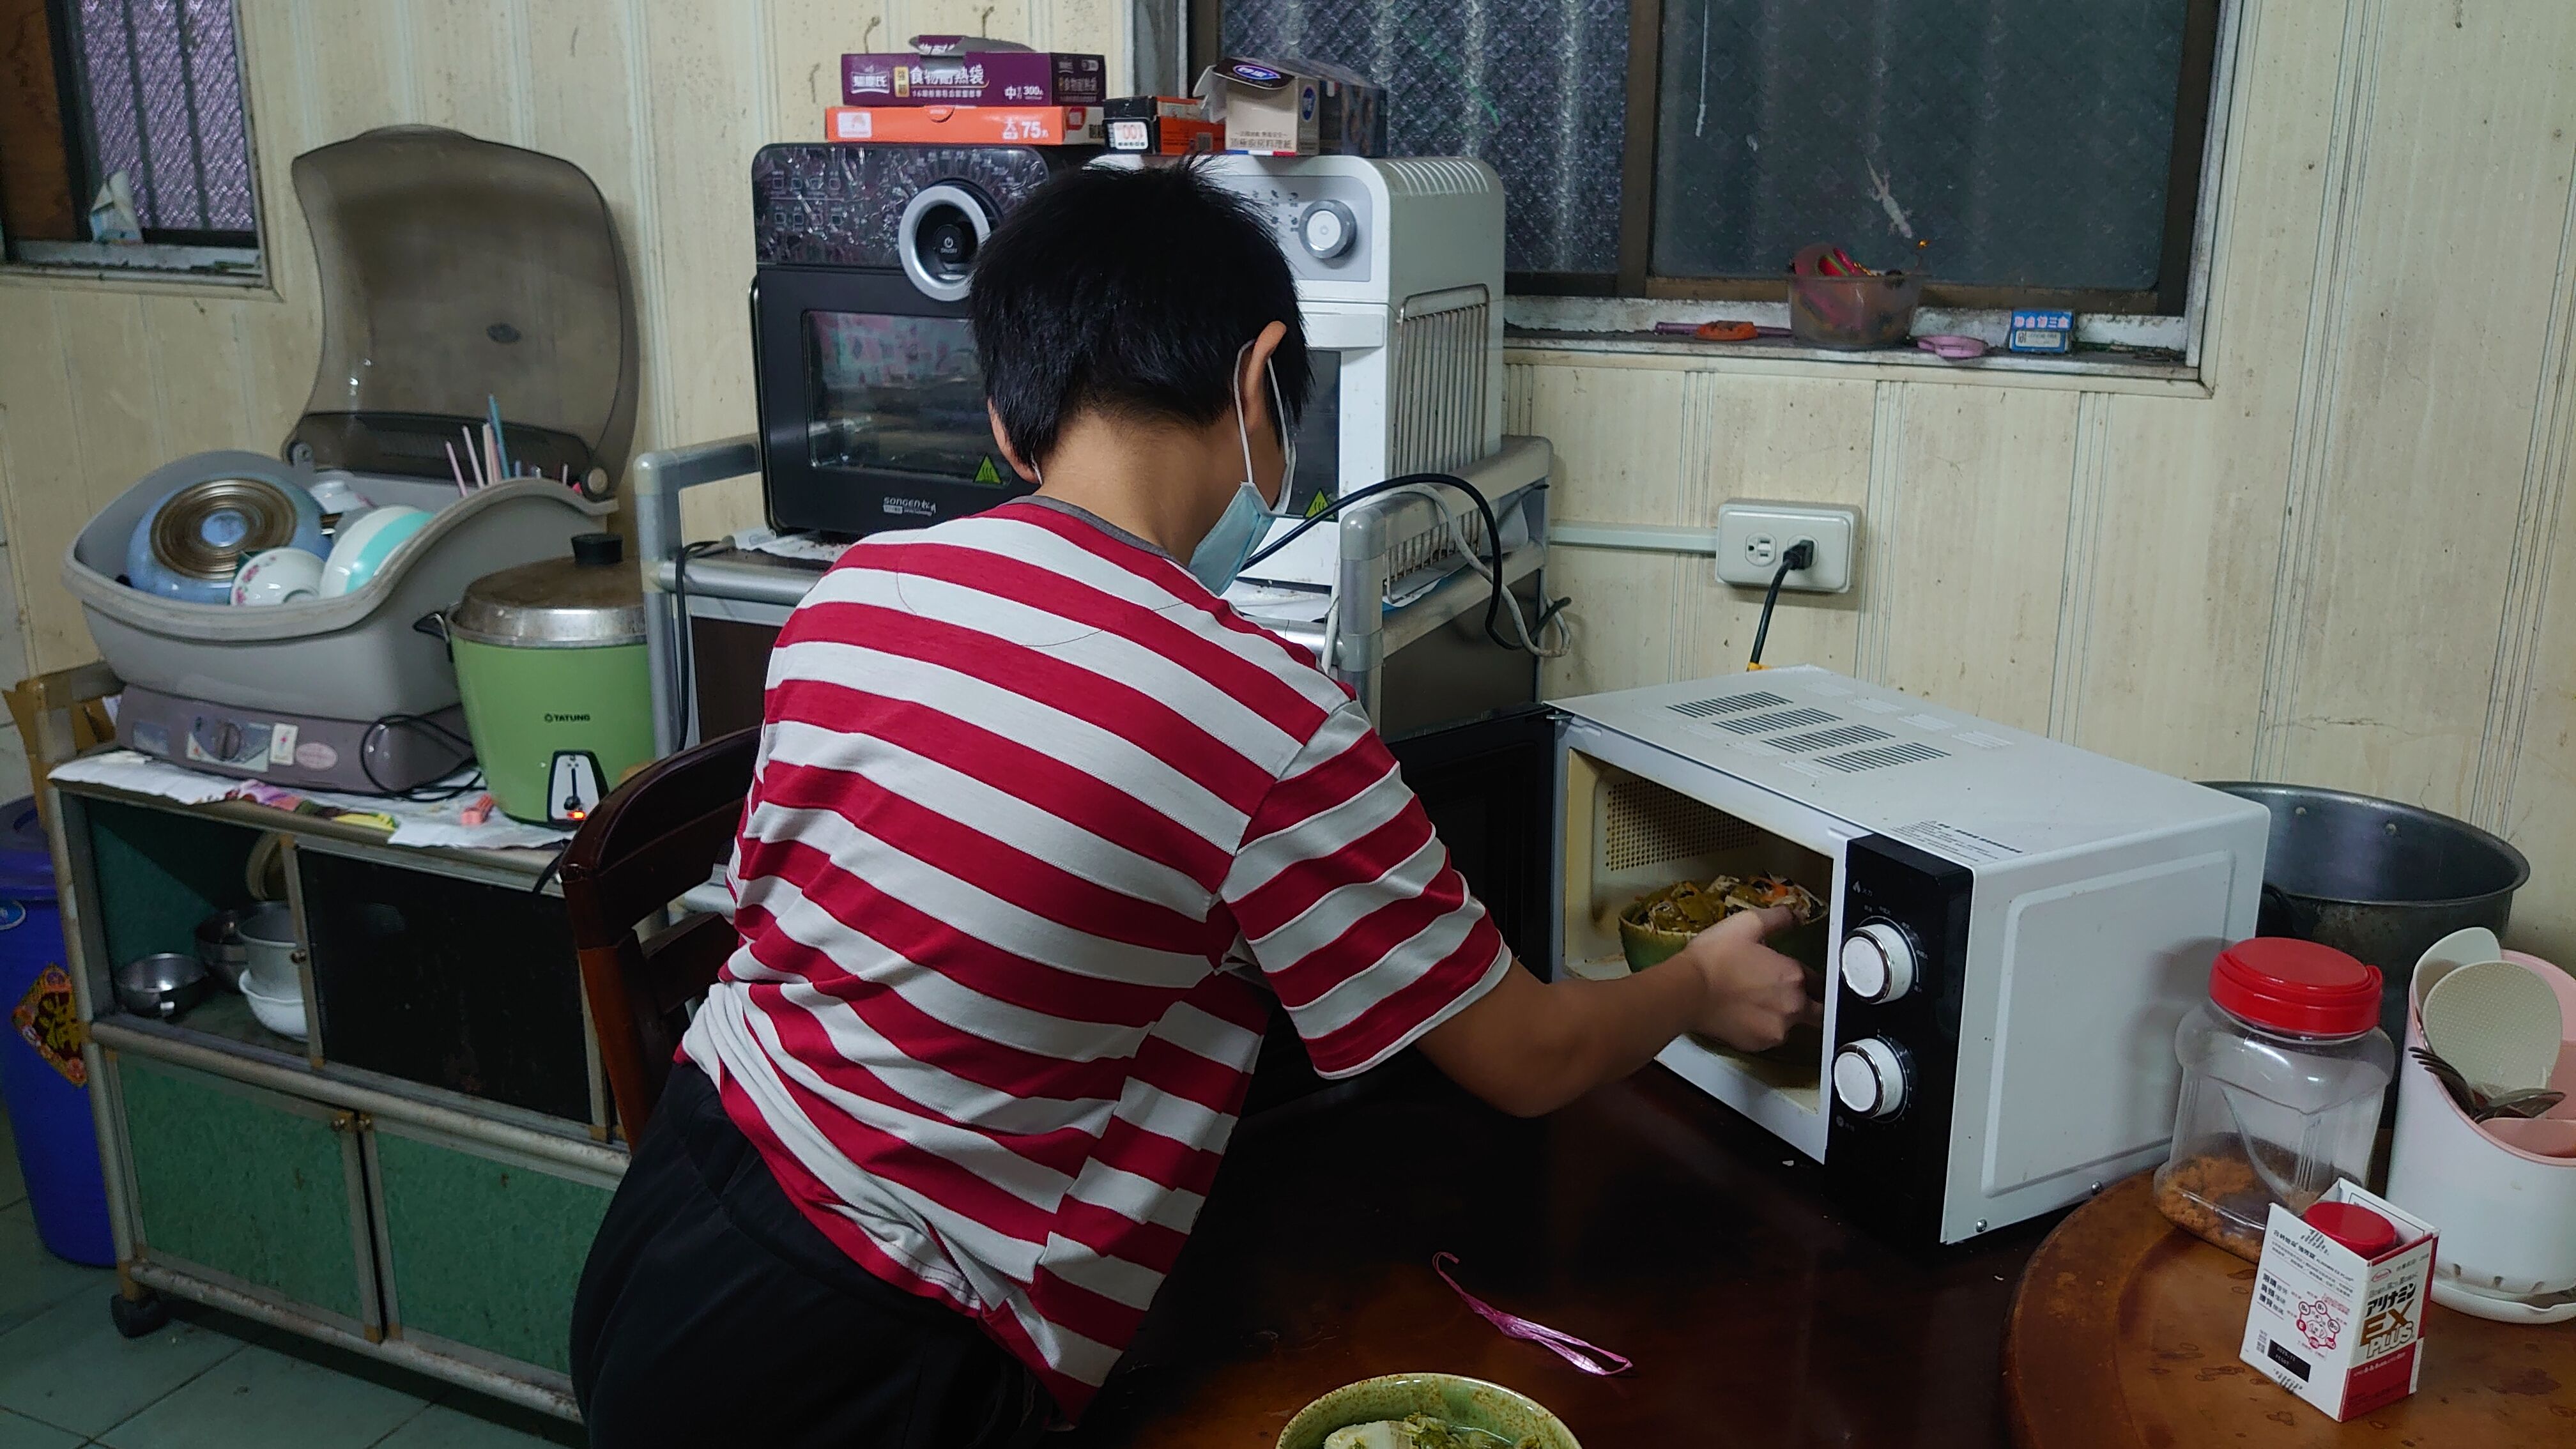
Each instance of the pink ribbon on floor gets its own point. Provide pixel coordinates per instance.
(1590, 1358)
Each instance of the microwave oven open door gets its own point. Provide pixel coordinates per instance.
(1634, 819)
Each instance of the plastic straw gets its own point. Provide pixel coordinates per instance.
(492, 456)
(500, 440)
(473, 457)
(456, 470)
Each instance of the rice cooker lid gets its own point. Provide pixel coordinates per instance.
(589, 600)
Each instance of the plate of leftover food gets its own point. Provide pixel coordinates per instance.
(1425, 1411)
(1660, 923)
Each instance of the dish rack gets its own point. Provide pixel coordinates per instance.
(354, 657)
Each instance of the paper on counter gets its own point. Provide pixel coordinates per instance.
(790, 545)
(1290, 606)
(140, 774)
(419, 824)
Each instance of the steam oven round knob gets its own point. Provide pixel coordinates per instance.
(1869, 1078)
(1878, 962)
(936, 239)
(1327, 228)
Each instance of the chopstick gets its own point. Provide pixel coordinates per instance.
(473, 456)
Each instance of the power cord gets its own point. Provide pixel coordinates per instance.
(1799, 555)
(1419, 482)
(682, 645)
(441, 734)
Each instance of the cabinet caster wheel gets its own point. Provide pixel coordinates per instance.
(139, 1317)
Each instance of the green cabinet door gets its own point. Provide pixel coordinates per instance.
(258, 1187)
(481, 1251)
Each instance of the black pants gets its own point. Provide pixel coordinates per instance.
(711, 1312)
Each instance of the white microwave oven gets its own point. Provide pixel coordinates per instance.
(2014, 928)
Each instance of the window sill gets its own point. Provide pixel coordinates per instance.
(1586, 332)
(229, 269)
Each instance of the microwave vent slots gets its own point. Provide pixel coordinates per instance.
(1833, 739)
(1787, 719)
(1880, 757)
(1727, 704)
(1646, 824)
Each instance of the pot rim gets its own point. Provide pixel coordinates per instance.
(2258, 790)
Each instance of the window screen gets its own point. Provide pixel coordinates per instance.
(1536, 88)
(2029, 142)
(160, 99)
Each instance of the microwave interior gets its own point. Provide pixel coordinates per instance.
(1627, 836)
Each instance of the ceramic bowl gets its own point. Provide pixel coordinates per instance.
(1465, 1402)
(279, 576)
(1645, 946)
(187, 545)
(281, 1014)
(365, 542)
(335, 495)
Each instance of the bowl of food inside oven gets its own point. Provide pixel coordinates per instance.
(1656, 926)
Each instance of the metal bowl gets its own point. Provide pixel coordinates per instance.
(162, 984)
(220, 945)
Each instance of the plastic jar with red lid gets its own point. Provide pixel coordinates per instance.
(2283, 1068)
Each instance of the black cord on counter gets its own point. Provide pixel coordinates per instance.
(1484, 508)
(418, 794)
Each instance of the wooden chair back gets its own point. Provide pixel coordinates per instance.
(658, 837)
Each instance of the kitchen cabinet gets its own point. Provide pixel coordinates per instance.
(256, 1186)
(477, 1250)
(418, 1180)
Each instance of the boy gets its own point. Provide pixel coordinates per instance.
(1040, 830)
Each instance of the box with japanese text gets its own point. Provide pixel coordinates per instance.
(2339, 1300)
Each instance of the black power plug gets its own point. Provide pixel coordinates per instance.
(1798, 555)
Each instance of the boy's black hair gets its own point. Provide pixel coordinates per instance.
(1131, 292)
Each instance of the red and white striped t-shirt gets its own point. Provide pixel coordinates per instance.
(1024, 788)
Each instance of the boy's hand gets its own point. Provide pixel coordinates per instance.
(1755, 994)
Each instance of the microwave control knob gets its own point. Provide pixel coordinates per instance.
(1327, 229)
(1869, 1078)
(1878, 963)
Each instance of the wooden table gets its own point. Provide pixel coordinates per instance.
(1646, 1218)
(2125, 1332)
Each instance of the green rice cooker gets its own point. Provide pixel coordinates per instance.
(558, 696)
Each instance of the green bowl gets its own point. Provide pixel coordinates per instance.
(1646, 946)
(1468, 1403)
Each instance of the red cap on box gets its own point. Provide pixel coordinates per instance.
(2354, 1226)
(2296, 986)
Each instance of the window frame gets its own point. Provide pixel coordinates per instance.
(165, 255)
(2163, 318)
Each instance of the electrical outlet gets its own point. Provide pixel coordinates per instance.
(1753, 535)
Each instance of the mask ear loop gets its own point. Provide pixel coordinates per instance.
(1287, 439)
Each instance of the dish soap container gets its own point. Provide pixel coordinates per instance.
(2283, 1068)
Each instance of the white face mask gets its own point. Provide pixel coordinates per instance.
(1247, 517)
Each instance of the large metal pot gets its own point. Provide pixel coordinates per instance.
(2377, 879)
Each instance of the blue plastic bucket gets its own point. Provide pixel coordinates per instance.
(41, 1073)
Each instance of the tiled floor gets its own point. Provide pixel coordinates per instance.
(67, 1379)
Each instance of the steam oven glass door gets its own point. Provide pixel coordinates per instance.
(1635, 818)
(872, 404)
